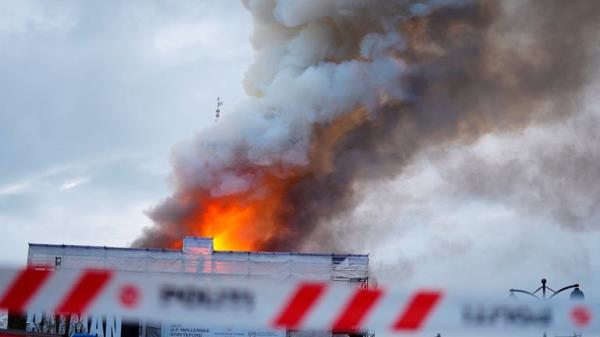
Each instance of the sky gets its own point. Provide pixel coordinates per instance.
(94, 95)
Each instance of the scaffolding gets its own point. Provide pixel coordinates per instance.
(198, 257)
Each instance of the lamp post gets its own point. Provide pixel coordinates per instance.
(576, 294)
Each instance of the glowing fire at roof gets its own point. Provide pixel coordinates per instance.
(245, 221)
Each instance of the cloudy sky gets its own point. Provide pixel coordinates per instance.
(92, 97)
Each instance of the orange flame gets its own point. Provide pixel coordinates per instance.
(245, 221)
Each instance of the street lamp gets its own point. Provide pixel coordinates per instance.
(576, 294)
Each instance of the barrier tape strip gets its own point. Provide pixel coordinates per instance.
(83, 293)
(299, 303)
(23, 288)
(417, 310)
(283, 305)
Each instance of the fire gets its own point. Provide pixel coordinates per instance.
(254, 219)
(245, 221)
(225, 221)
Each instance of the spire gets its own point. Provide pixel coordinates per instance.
(218, 111)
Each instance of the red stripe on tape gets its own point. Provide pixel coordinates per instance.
(356, 310)
(417, 310)
(23, 288)
(299, 304)
(89, 285)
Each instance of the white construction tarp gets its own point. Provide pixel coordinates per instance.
(198, 257)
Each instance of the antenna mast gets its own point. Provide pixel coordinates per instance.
(218, 111)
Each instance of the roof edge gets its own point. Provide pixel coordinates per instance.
(31, 244)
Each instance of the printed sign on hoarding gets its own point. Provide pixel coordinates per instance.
(180, 330)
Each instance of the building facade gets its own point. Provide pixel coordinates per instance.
(197, 257)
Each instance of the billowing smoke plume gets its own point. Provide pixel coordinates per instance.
(344, 92)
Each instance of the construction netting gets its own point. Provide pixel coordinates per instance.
(198, 257)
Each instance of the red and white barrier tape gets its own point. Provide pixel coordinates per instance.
(289, 305)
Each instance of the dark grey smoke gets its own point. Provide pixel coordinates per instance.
(487, 80)
(554, 174)
(350, 92)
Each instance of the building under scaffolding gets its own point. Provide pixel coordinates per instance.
(196, 257)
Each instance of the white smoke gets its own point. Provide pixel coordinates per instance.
(305, 72)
